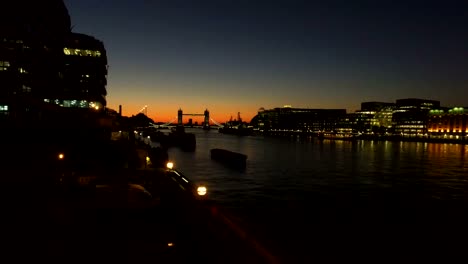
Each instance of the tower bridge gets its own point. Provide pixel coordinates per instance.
(206, 120)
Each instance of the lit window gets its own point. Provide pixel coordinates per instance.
(83, 104)
(80, 52)
(3, 108)
(21, 70)
(4, 65)
(47, 100)
(26, 89)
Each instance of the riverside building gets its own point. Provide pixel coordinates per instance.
(43, 63)
(306, 120)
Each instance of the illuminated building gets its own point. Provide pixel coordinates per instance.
(375, 106)
(83, 75)
(448, 123)
(384, 116)
(415, 103)
(42, 61)
(299, 119)
(411, 115)
(371, 117)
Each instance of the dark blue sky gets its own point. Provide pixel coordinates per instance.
(231, 56)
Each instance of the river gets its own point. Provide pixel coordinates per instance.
(305, 198)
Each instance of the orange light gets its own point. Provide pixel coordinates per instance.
(170, 165)
(61, 156)
(201, 190)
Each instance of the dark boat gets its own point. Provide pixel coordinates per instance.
(229, 157)
(179, 138)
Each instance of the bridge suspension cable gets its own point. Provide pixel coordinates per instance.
(165, 124)
(144, 110)
(216, 123)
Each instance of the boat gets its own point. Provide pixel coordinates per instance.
(227, 157)
(179, 138)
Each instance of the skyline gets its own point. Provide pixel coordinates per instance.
(239, 56)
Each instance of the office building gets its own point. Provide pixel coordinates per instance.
(42, 62)
(299, 119)
(410, 116)
(448, 123)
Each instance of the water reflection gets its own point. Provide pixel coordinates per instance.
(292, 183)
(278, 168)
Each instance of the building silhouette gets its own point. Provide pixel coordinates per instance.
(302, 119)
(44, 64)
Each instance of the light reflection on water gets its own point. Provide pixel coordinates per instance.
(288, 182)
(281, 165)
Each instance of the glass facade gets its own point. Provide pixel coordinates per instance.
(4, 65)
(81, 52)
(75, 75)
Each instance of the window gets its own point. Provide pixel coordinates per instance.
(4, 65)
(81, 52)
(3, 108)
(26, 89)
(83, 104)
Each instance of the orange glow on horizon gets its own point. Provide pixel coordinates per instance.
(168, 113)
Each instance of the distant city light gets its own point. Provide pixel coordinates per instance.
(61, 156)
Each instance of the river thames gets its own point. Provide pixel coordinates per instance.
(308, 200)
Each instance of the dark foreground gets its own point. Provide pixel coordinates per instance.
(110, 207)
(107, 206)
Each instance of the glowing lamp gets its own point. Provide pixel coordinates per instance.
(61, 156)
(201, 190)
(170, 165)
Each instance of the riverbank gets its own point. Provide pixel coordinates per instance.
(392, 138)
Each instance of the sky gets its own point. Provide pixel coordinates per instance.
(237, 56)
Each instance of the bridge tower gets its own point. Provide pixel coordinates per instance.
(179, 117)
(206, 122)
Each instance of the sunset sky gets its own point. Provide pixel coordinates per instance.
(238, 56)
